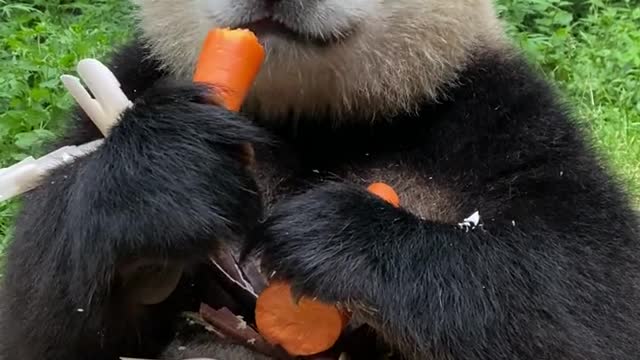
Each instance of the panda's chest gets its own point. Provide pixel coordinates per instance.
(423, 187)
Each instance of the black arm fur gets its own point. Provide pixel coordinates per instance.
(551, 272)
(165, 187)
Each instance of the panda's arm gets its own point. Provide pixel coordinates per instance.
(164, 187)
(542, 277)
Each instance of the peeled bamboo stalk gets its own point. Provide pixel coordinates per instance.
(104, 110)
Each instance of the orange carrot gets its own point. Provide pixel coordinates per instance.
(230, 61)
(308, 327)
(386, 192)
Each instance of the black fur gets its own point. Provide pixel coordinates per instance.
(165, 186)
(552, 272)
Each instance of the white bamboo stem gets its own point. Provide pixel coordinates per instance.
(104, 111)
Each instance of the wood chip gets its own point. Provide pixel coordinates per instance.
(228, 324)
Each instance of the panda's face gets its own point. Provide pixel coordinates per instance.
(310, 22)
(331, 55)
(292, 27)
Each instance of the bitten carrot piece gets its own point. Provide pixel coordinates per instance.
(308, 327)
(230, 60)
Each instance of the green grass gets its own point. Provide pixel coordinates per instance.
(590, 47)
(592, 50)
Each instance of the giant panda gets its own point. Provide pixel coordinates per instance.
(428, 96)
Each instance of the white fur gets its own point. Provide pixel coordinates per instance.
(402, 51)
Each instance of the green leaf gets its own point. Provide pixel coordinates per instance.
(32, 139)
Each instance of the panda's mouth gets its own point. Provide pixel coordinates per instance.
(270, 27)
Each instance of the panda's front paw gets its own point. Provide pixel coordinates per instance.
(327, 243)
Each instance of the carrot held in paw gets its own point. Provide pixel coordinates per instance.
(230, 61)
(386, 192)
(308, 327)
